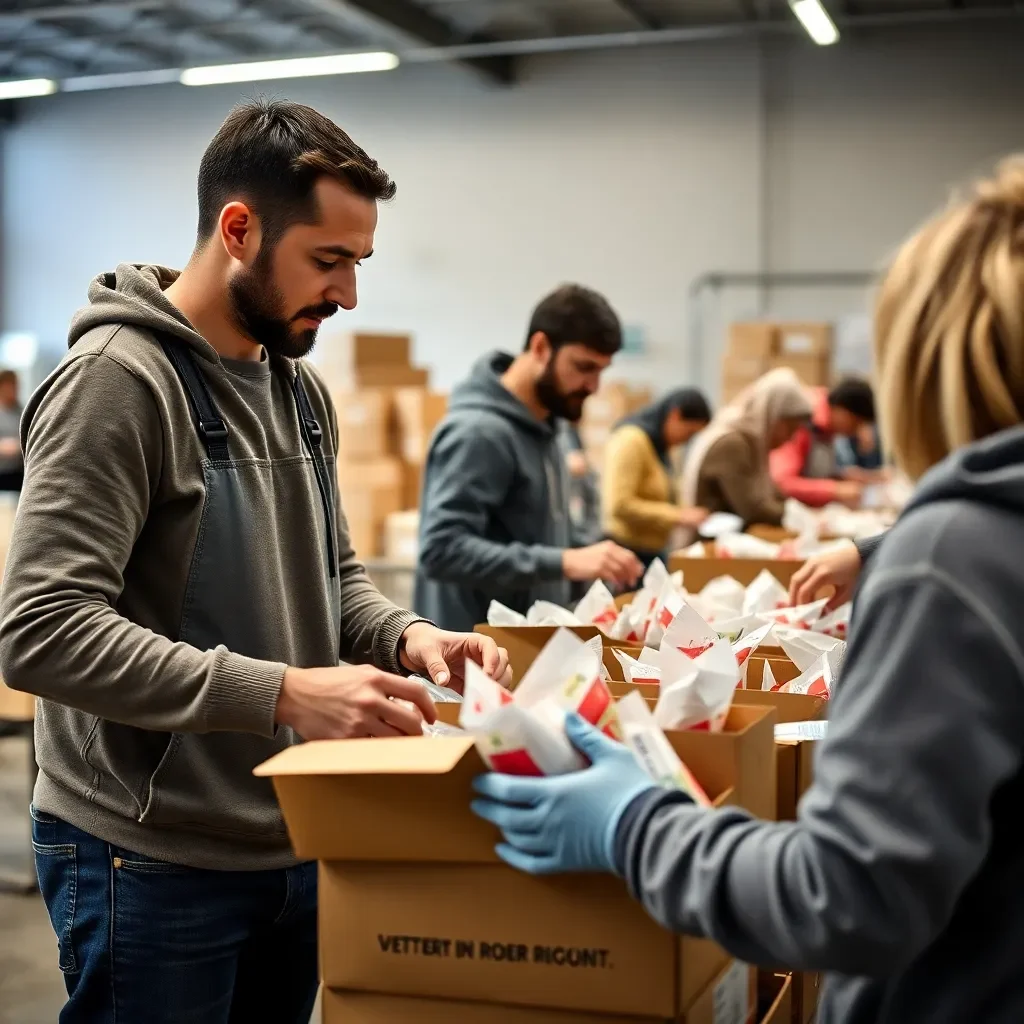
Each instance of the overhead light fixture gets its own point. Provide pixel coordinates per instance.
(813, 16)
(298, 67)
(24, 87)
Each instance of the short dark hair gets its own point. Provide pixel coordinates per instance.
(855, 396)
(573, 314)
(270, 154)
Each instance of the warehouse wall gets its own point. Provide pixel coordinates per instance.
(634, 171)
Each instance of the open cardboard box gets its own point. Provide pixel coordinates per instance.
(414, 901)
(524, 643)
(699, 572)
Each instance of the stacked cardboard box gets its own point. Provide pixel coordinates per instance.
(603, 410)
(385, 418)
(759, 346)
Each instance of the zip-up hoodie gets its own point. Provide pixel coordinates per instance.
(494, 517)
(143, 740)
(902, 875)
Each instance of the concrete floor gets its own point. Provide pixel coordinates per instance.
(31, 988)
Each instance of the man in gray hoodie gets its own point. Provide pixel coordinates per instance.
(181, 587)
(495, 513)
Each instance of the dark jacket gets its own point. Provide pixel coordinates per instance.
(494, 520)
(902, 875)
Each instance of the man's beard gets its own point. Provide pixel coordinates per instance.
(258, 308)
(566, 407)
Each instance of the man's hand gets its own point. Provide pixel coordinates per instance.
(838, 568)
(693, 516)
(9, 447)
(352, 701)
(604, 561)
(849, 493)
(441, 656)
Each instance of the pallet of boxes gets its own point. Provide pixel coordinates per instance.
(756, 347)
(421, 921)
(386, 415)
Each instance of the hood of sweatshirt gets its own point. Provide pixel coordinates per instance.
(989, 472)
(482, 391)
(133, 295)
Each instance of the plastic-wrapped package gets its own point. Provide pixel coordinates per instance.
(696, 693)
(439, 694)
(597, 607)
(652, 749)
(501, 615)
(766, 594)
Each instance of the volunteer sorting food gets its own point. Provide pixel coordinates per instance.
(494, 521)
(637, 491)
(901, 876)
(726, 469)
(178, 569)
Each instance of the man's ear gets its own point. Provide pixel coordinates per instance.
(539, 346)
(239, 230)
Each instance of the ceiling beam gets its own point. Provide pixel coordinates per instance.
(421, 26)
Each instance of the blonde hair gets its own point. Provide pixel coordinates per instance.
(949, 326)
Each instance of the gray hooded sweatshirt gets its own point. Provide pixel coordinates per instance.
(902, 877)
(494, 519)
(153, 596)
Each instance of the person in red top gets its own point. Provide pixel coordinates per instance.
(805, 466)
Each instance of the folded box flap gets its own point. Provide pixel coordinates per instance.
(391, 756)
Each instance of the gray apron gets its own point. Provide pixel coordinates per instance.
(222, 607)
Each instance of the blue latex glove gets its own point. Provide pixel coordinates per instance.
(564, 822)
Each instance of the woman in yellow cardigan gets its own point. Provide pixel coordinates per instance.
(637, 502)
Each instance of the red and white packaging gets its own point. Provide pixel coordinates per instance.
(669, 602)
(765, 594)
(645, 670)
(767, 676)
(696, 693)
(597, 608)
(689, 633)
(803, 616)
(653, 751)
(546, 613)
(837, 624)
(744, 648)
(803, 647)
(815, 682)
(596, 644)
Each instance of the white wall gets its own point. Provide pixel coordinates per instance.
(632, 171)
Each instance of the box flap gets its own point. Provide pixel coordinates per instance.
(792, 707)
(391, 756)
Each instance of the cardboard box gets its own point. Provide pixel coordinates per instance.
(775, 998)
(810, 338)
(418, 413)
(698, 572)
(370, 491)
(383, 376)
(16, 706)
(733, 384)
(401, 538)
(612, 402)
(806, 991)
(412, 484)
(756, 339)
(814, 371)
(414, 901)
(366, 424)
(359, 349)
(524, 643)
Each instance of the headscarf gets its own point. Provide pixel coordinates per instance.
(753, 412)
(651, 418)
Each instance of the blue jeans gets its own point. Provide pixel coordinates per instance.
(141, 941)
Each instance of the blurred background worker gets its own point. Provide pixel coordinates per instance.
(584, 485)
(806, 466)
(726, 469)
(12, 463)
(639, 510)
(495, 516)
(901, 875)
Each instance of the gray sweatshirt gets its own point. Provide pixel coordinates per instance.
(902, 875)
(144, 740)
(495, 516)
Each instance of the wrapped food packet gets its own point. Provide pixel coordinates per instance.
(596, 644)
(725, 592)
(801, 616)
(545, 613)
(597, 607)
(439, 694)
(643, 670)
(501, 615)
(670, 600)
(720, 524)
(765, 594)
(743, 545)
(767, 676)
(695, 550)
(804, 647)
(836, 624)
(689, 633)
(653, 751)
(696, 694)
(815, 682)
(798, 517)
(743, 649)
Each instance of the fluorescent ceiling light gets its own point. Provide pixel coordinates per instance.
(27, 87)
(299, 67)
(820, 27)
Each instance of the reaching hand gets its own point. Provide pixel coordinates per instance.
(565, 822)
(838, 568)
(693, 516)
(849, 493)
(441, 655)
(604, 561)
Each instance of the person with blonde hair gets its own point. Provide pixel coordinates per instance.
(901, 875)
(727, 468)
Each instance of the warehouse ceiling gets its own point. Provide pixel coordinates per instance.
(83, 39)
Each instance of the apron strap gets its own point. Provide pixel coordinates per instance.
(313, 437)
(213, 431)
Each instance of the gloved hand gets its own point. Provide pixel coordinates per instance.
(564, 822)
